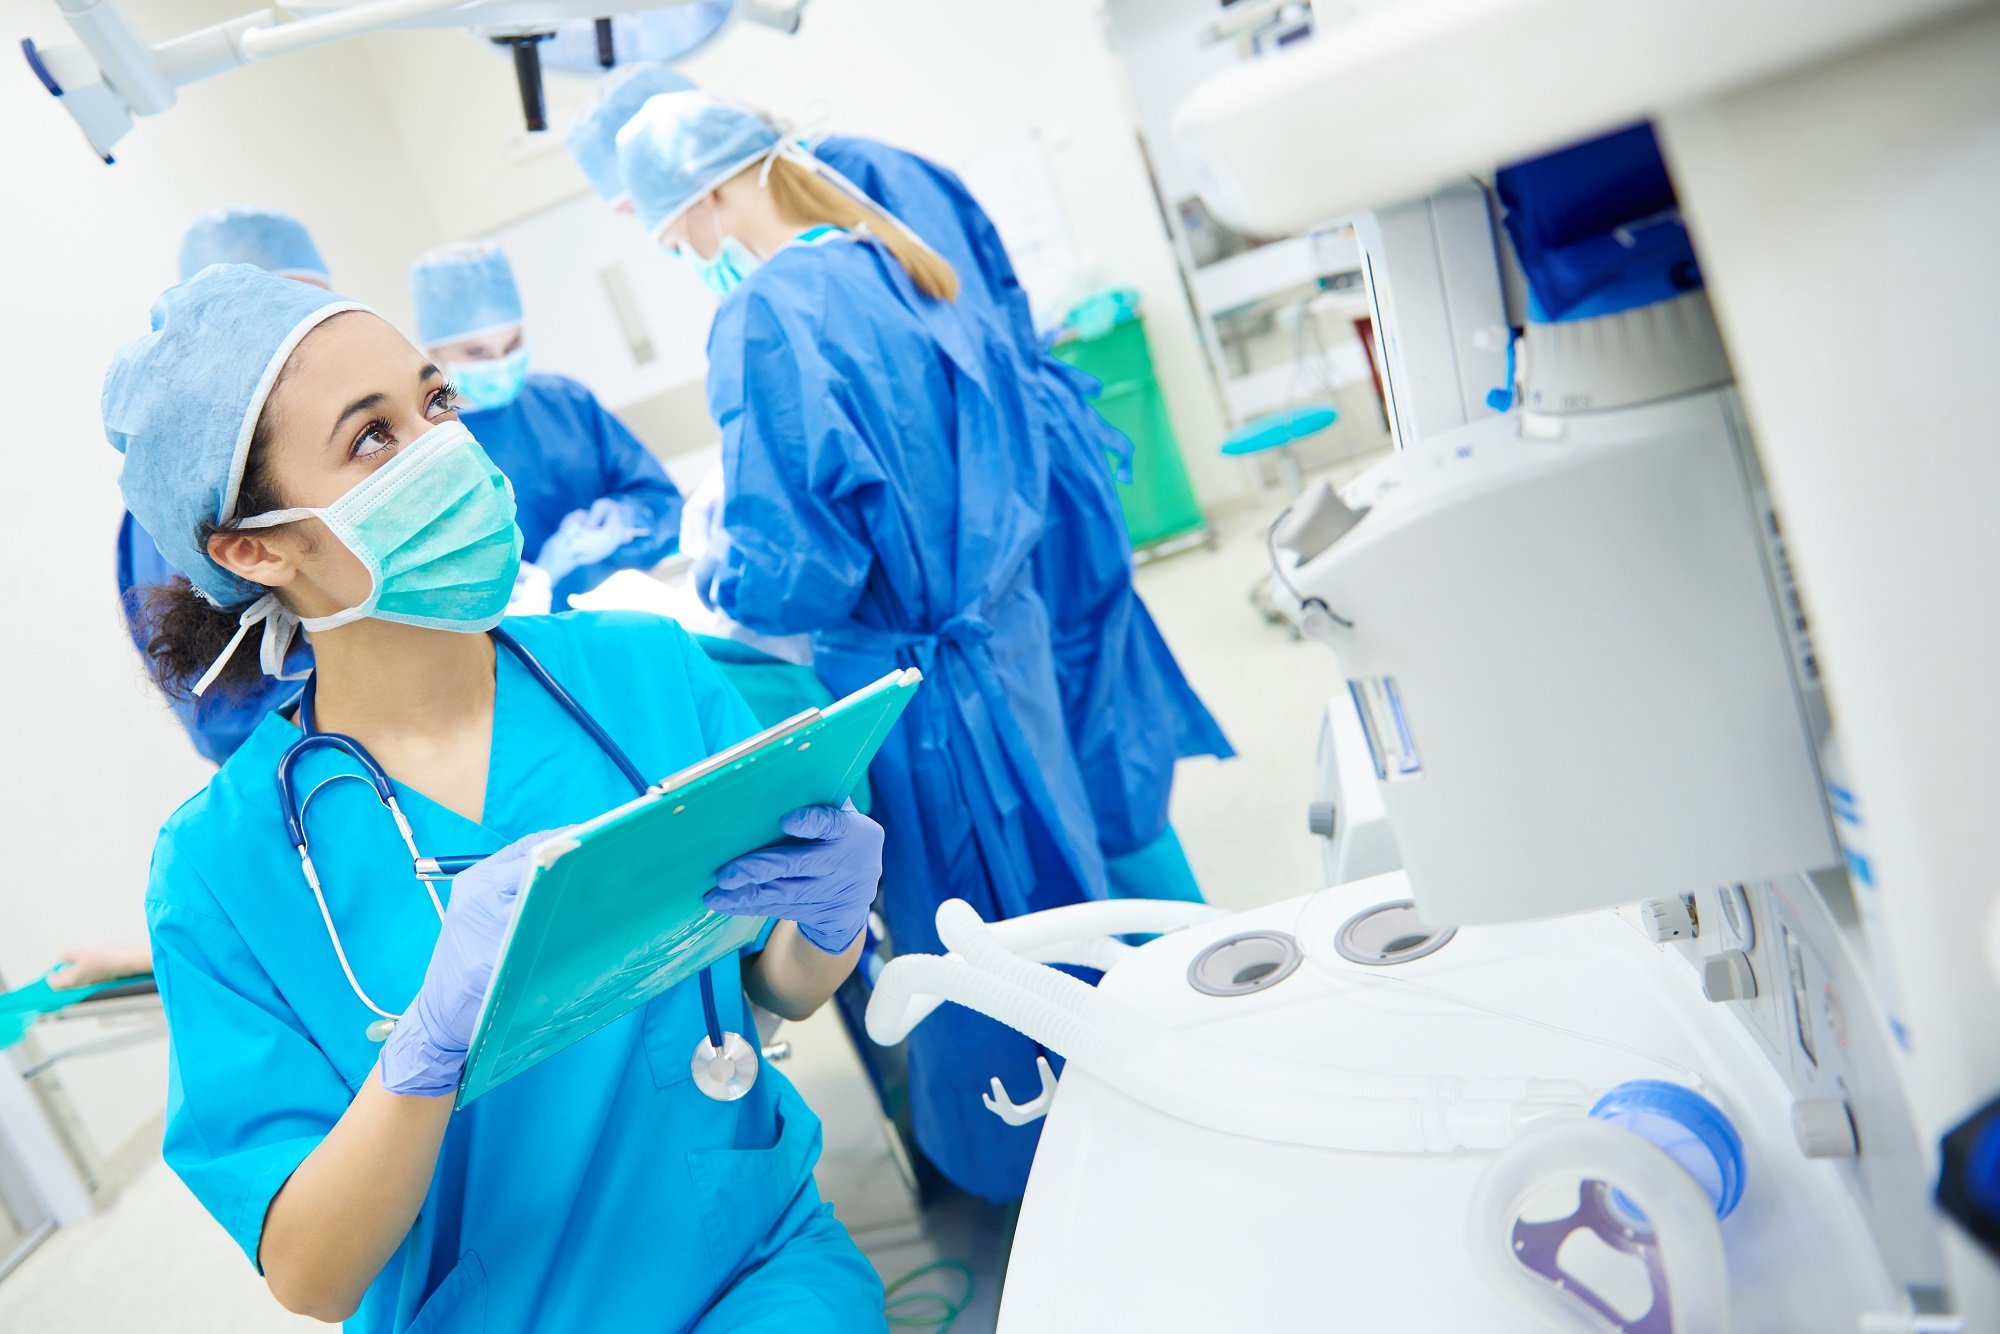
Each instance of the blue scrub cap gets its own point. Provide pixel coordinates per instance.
(679, 146)
(593, 140)
(182, 402)
(275, 242)
(462, 290)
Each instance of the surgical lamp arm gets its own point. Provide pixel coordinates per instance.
(113, 73)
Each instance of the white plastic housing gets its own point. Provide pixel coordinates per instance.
(1569, 657)
(1433, 274)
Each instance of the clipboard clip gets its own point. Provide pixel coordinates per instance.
(722, 759)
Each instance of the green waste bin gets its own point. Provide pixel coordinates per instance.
(1159, 501)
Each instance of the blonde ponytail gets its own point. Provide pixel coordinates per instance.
(802, 195)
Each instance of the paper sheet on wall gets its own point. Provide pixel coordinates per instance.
(1014, 182)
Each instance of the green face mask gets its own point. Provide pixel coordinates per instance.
(435, 528)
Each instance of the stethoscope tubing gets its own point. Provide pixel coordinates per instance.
(428, 870)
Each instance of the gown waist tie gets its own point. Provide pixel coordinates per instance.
(1009, 770)
(965, 635)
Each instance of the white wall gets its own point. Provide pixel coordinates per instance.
(385, 147)
(93, 760)
(947, 78)
(1165, 63)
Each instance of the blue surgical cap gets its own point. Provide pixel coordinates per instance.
(593, 140)
(682, 145)
(182, 402)
(275, 242)
(463, 290)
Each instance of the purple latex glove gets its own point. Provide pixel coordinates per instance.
(825, 881)
(425, 1053)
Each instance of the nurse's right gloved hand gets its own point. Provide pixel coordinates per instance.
(823, 878)
(426, 1050)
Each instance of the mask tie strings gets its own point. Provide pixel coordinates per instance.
(280, 626)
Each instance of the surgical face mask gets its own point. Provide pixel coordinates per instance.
(733, 262)
(434, 528)
(722, 275)
(486, 385)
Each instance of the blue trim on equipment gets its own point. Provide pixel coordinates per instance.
(1632, 1104)
(41, 71)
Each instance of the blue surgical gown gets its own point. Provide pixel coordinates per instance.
(218, 722)
(597, 1191)
(884, 490)
(563, 450)
(1130, 712)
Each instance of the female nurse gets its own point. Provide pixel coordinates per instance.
(884, 488)
(302, 465)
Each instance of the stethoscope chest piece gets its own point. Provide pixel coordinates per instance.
(727, 1074)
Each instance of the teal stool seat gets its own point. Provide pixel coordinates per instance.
(1278, 431)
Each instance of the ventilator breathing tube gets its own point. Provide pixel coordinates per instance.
(1229, 1090)
(1084, 934)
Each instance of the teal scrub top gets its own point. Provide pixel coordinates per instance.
(600, 1190)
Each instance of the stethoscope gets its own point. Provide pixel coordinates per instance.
(724, 1065)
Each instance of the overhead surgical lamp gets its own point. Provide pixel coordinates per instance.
(111, 74)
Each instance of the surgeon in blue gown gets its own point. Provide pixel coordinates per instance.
(1131, 713)
(593, 499)
(599, 1190)
(884, 484)
(277, 243)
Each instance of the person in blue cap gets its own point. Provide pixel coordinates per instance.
(277, 243)
(885, 479)
(592, 140)
(303, 466)
(592, 499)
(1130, 711)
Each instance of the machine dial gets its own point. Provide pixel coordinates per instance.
(1727, 976)
(1824, 1128)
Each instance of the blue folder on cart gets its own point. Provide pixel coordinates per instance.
(611, 914)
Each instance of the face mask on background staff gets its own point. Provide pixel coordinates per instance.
(487, 385)
(728, 267)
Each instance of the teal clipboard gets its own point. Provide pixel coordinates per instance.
(611, 914)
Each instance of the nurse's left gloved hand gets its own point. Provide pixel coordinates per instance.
(825, 881)
(426, 1050)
